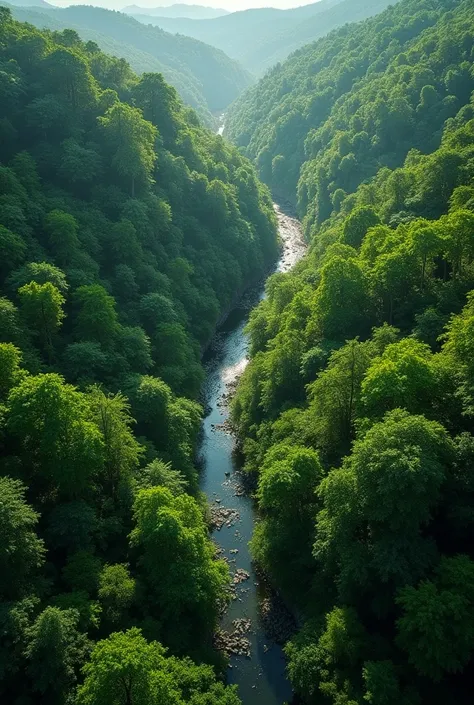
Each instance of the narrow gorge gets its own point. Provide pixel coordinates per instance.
(257, 662)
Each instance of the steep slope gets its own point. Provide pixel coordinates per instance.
(281, 44)
(339, 108)
(126, 230)
(259, 38)
(204, 76)
(356, 410)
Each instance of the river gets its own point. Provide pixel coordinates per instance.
(260, 677)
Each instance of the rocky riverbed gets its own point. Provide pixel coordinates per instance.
(255, 621)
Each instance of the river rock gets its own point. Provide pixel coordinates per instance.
(234, 642)
(223, 515)
(240, 576)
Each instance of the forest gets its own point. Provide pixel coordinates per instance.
(355, 414)
(126, 231)
(205, 78)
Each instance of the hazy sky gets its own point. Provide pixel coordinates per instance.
(231, 5)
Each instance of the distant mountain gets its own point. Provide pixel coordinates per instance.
(30, 3)
(205, 77)
(197, 12)
(262, 37)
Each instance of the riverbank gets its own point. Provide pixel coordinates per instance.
(292, 248)
(251, 624)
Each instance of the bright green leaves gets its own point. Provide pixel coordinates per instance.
(121, 451)
(183, 581)
(288, 480)
(10, 370)
(131, 140)
(116, 592)
(96, 318)
(335, 394)
(328, 659)
(376, 505)
(42, 309)
(357, 224)
(403, 377)
(287, 485)
(62, 449)
(127, 670)
(341, 301)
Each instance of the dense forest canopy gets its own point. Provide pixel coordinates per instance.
(259, 38)
(206, 78)
(126, 229)
(356, 410)
(339, 109)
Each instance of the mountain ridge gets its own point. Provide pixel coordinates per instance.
(177, 10)
(205, 77)
(259, 38)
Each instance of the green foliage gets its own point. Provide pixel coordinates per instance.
(22, 552)
(96, 320)
(61, 448)
(126, 231)
(205, 77)
(55, 651)
(10, 370)
(358, 99)
(116, 592)
(81, 572)
(126, 670)
(403, 377)
(61, 230)
(41, 307)
(327, 659)
(13, 250)
(437, 627)
(131, 140)
(386, 491)
(183, 580)
(370, 132)
(357, 224)
(287, 496)
(160, 473)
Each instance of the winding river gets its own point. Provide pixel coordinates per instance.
(260, 676)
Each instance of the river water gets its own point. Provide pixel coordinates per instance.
(260, 677)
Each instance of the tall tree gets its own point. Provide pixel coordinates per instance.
(21, 551)
(131, 139)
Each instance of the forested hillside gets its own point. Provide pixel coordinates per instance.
(125, 231)
(338, 109)
(206, 78)
(356, 410)
(259, 38)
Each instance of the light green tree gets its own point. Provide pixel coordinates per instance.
(42, 308)
(62, 448)
(131, 139)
